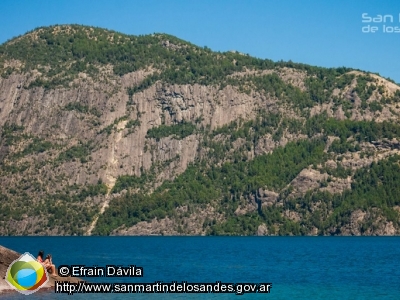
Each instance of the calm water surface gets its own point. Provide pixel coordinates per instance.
(297, 267)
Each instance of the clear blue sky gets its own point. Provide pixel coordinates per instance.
(316, 32)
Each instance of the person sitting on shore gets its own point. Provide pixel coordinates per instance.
(48, 264)
(40, 256)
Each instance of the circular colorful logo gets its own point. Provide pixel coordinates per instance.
(26, 275)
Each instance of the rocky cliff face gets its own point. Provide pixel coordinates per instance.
(71, 152)
(124, 149)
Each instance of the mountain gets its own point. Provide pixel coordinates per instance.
(105, 133)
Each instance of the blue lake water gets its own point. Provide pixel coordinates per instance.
(297, 267)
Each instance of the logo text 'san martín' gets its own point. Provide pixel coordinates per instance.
(384, 23)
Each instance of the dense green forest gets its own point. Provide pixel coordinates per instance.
(239, 178)
(201, 185)
(75, 49)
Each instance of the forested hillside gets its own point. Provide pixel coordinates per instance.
(105, 133)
